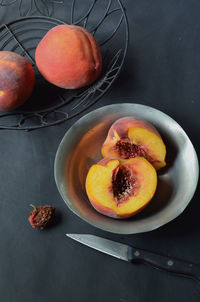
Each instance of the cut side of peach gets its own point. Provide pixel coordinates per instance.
(130, 137)
(121, 188)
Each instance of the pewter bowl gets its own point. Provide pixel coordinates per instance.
(80, 148)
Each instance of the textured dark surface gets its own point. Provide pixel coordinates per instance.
(162, 70)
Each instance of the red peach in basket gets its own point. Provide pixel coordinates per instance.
(69, 57)
(16, 80)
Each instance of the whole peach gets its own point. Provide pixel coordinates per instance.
(69, 57)
(16, 80)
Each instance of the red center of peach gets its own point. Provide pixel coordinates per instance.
(123, 184)
(128, 150)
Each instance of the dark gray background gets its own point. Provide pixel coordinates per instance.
(162, 70)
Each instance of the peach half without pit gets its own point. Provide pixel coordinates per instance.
(130, 136)
(121, 188)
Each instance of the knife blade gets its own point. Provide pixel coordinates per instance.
(136, 255)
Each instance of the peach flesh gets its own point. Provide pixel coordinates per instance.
(121, 188)
(129, 137)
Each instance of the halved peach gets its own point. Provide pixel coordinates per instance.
(121, 188)
(130, 136)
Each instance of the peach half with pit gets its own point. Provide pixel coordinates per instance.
(130, 136)
(121, 188)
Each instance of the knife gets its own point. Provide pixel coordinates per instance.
(136, 255)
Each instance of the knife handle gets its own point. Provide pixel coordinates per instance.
(164, 263)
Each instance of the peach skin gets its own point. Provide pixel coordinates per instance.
(17, 80)
(69, 57)
(121, 188)
(130, 136)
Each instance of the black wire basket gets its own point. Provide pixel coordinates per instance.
(50, 105)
